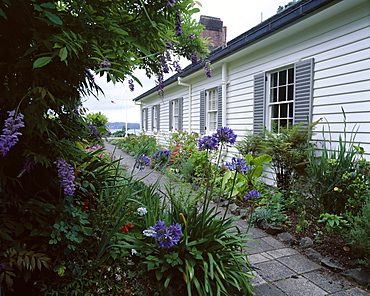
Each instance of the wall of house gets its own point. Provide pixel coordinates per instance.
(337, 38)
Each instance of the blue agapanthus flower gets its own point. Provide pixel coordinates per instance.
(238, 164)
(208, 143)
(252, 194)
(142, 161)
(169, 236)
(225, 135)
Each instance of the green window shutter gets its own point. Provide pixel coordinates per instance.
(219, 107)
(303, 91)
(259, 103)
(202, 110)
(180, 104)
(170, 126)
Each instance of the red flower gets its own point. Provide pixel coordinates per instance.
(190, 150)
(125, 228)
(85, 206)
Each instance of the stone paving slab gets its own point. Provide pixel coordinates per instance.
(280, 270)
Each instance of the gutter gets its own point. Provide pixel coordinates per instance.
(274, 23)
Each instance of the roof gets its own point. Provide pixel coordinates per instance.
(278, 21)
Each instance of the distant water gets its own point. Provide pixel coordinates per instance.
(130, 131)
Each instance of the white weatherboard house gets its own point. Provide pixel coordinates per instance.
(308, 62)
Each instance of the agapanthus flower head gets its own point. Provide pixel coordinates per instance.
(142, 161)
(169, 236)
(178, 28)
(161, 157)
(208, 143)
(177, 66)
(252, 194)
(225, 135)
(238, 164)
(131, 84)
(66, 176)
(104, 64)
(10, 132)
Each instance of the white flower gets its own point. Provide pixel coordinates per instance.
(149, 232)
(142, 211)
(133, 252)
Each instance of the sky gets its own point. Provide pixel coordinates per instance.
(237, 15)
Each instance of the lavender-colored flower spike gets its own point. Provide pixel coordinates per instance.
(171, 3)
(191, 36)
(178, 28)
(160, 84)
(165, 67)
(66, 176)
(207, 68)
(168, 44)
(131, 84)
(177, 66)
(10, 134)
(105, 64)
(194, 58)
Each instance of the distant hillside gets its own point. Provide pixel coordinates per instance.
(120, 125)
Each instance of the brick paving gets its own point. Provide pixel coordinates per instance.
(281, 270)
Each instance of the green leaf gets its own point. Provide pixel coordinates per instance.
(261, 159)
(63, 53)
(48, 5)
(54, 18)
(41, 62)
(2, 13)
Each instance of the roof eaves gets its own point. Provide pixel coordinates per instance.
(277, 21)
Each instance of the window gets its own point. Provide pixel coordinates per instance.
(281, 89)
(283, 97)
(175, 116)
(155, 118)
(210, 110)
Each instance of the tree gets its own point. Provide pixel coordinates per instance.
(49, 52)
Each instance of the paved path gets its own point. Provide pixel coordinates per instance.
(281, 269)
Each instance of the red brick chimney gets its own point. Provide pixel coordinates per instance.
(215, 30)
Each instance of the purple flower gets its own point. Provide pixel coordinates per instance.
(131, 84)
(208, 143)
(10, 134)
(194, 58)
(238, 164)
(207, 68)
(93, 131)
(252, 194)
(160, 84)
(225, 135)
(168, 56)
(191, 36)
(169, 236)
(161, 157)
(178, 28)
(177, 66)
(165, 67)
(66, 176)
(28, 166)
(105, 64)
(171, 3)
(168, 44)
(142, 161)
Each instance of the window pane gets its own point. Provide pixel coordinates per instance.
(283, 110)
(282, 77)
(291, 110)
(282, 93)
(273, 95)
(275, 111)
(290, 93)
(275, 125)
(291, 75)
(283, 122)
(274, 79)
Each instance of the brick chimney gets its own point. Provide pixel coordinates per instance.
(214, 30)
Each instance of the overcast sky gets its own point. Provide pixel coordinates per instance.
(237, 15)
